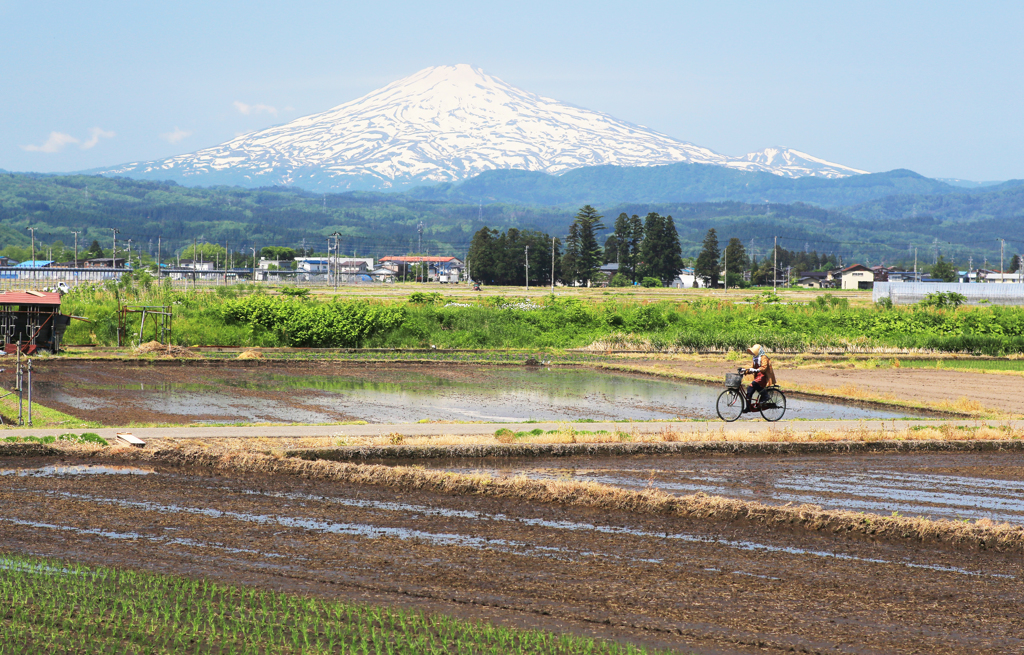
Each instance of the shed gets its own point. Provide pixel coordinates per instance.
(33, 318)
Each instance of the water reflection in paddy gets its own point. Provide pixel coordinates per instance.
(403, 394)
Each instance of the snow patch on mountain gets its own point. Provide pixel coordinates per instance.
(445, 124)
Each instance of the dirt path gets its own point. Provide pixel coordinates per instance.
(1001, 392)
(705, 586)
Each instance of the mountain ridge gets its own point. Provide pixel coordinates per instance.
(446, 124)
(679, 183)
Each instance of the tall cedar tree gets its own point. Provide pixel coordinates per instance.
(582, 248)
(571, 258)
(629, 234)
(94, 251)
(660, 255)
(707, 267)
(611, 250)
(736, 262)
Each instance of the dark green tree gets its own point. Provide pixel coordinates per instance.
(660, 255)
(707, 267)
(1015, 264)
(482, 251)
(629, 235)
(735, 262)
(582, 252)
(571, 258)
(944, 270)
(274, 252)
(611, 249)
(94, 251)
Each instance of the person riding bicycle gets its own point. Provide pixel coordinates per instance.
(763, 373)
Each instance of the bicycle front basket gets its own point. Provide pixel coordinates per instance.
(733, 380)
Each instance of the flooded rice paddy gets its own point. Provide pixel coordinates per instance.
(118, 395)
(936, 485)
(698, 586)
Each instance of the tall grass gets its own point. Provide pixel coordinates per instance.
(245, 316)
(59, 607)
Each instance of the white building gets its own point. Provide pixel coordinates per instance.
(278, 264)
(856, 277)
(687, 279)
(314, 265)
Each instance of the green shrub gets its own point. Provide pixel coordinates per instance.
(85, 437)
(651, 283)
(943, 299)
(620, 280)
(424, 298)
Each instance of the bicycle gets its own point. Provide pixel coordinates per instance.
(770, 401)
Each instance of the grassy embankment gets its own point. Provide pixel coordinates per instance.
(245, 316)
(640, 433)
(59, 607)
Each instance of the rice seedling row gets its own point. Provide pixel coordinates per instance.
(63, 607)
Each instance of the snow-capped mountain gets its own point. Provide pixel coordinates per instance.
(444, 124)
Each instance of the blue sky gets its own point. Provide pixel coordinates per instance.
(931, 86)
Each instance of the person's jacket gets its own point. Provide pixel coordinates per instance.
(764, 375)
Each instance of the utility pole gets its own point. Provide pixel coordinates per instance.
(76, 247)
(113, 247)
(527, 268)
(970, 265)
(915, 265)
(337, 251)
(158, 244)
(33, 231)
(128, 262)
(725, 259)
(253, 249)
(552, 264)
(775, 264)
(419, 228)
(1001, 244)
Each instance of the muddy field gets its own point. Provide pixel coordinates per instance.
(659, 580)
(113, 393)
(936, 485)
(1001, 392)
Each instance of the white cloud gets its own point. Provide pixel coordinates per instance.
(95, 134)
(177, 135)
(55, 143)
(255, 109)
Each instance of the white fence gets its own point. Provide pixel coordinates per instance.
(908, 293)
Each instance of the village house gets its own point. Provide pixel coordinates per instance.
(105, 262)
(856, 277)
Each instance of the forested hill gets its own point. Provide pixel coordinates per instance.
(377, 224)
(612, 185)
(370, 224)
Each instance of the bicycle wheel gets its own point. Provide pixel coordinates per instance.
(730, 405)
(773, 404)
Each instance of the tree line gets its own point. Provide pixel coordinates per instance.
(647, 248)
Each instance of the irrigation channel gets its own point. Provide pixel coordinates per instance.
(112, 393)
(940, 485)
(696, 585)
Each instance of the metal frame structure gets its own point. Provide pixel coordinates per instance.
(162, 320)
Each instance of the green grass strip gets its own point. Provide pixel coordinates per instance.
(52, 606)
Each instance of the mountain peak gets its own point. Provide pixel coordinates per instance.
(445, 124)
